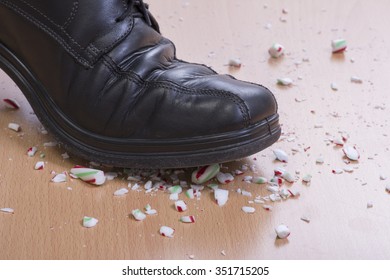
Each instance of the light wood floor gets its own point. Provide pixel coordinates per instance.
(47, 219)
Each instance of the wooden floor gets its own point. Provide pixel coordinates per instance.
(47, 219)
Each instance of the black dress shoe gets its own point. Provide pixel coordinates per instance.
(102, 79)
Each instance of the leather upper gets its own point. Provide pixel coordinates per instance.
(121, 78)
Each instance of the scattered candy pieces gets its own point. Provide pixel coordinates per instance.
(32, 151)
(138, 215)
(167, 231)
(284, 81)
(282, 231)
(11, 103)
(205, 173)
(281, 155)
(187, 219)
(59, 178)
(89, 222)
(14, 127)
(39, 165)
(89, 175)
(224, 178)
(276, 50)
(221, 196)
(248, 210)
(121, 192)
(339, 45)
(351, 153)
(7, 210)
(180, 206)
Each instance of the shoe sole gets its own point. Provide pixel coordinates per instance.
(137, 153)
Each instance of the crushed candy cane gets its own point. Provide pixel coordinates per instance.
(89, 175)
(248, 210)
(337, 171)
(259, 180)
(224, 178)
(276, 50)
(356, 80)
(7, 210)
(59, 178)
(121, 192)
(11, 103)
(32, 151)
(281, 155)
(138, 215)
(167, 231)
(284, 81)
(187, 219)
(89, 222)
(39, 165)
(351, 153)
(180, 206)
(305, 219)
(221, 196)
(14, 127)
(338, 45)
(234, 62)
(282, 231)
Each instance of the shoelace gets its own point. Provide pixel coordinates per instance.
(141, 6)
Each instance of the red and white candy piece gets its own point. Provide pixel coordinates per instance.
(138, 215)
(167, 231)
(11, 103)
(221, 196)
(180, 206)
(276, 50)
(89, 222)
(32, 151)
(89, 175)
(338, 45)
(248, 210)
(282, 231)
(225, 178)
(39, 165)
(281, 155)
(59, 178)
(187, 219)
(205, 173)
(351, 153)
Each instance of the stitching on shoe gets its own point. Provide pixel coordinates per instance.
(72, 14)
(50, 32)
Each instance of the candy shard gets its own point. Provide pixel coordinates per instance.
(248, 210)
(32, 151)
(281, 155)
(121, 192)
(284, 81)
(89, 222)
(338, 45)
(11, 103)
(357, 80)
(14, 127)
(175, 189)
(7, 210)
(39, 165)
(351, 153)
(89, 175)
(138, 215)
(259, 180)
(282, 231)
(221, 196)
(224, 178)
(205, 173)
(180, 206)
(276, 50)
(59, 178)
(187, 219)
(167, 231)
(148, 185)
(234, 62)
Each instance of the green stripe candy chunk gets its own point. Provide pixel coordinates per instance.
(205, 173)
(89, 222)
(89, 175)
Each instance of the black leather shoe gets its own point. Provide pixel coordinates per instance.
(102, 79)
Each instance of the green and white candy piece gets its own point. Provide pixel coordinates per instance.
(284, 81)
(259, 180)
(338, 45)
(175, 189)
(138, 215)
(89, 175)
(89, 222)
(213, 186)
(205, 173)
(221, 196)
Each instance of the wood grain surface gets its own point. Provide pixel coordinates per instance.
(47, 219)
